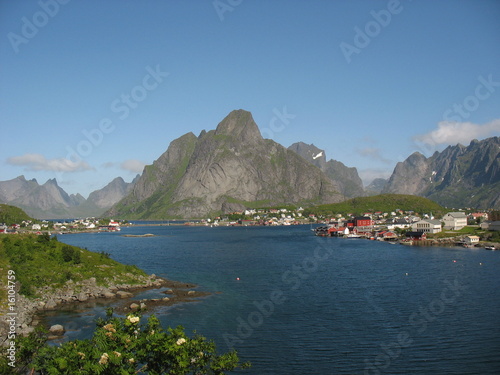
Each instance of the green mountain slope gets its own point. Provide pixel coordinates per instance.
(384, 203)
(12, 215)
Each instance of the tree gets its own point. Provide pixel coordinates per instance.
(121, 346)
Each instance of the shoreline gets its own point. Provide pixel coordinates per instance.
(29, 312)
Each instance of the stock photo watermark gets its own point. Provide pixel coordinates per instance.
(122, 107)
(454, 123)
(483, 91)
(418, 320)
(278, 122)
(11, 318)
(292, 279)
(30, 26)
(380, 19)
(224, 6)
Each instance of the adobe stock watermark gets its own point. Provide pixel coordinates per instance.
(292, 280)
(278, 122)
(483, 91)
(121, 107)
(32, 25)
(223, 6)
(455, 116)
(11, 317)
(420, 321)
(364, 36)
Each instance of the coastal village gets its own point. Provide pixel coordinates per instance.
(474, 229)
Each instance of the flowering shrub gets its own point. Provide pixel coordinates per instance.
(121, 346)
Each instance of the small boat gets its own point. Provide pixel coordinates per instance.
(490, 248)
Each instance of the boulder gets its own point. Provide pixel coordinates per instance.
(123, 294)
(50, 304)
(108, 295)
(134, 306)
(57, 330)
(82, 297)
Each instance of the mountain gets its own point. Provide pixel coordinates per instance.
(459, 176)
(347, 179)
(112, 193)
(50, 201)
(224, 170)
(376, 186)
(41, 201)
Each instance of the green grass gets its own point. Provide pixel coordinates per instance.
(466, 231)
(39, 261)
(384, 203)
(12, 215)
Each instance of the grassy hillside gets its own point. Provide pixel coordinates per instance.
(40, 261)
(12, 215)
(383, 203)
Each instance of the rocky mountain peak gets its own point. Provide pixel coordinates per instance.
(458, 176)
(240, 125)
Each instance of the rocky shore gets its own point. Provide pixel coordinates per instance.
(27, 309)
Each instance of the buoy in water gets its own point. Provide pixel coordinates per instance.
(238, 279)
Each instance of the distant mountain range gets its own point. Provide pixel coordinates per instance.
(232, 168)
(459, 176)
(50, 201)
(347, 179)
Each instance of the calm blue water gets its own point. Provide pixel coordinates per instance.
(309, 305)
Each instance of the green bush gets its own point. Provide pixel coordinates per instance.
(122, 346)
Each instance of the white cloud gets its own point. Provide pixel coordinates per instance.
(38, 162)
(133, 165)
(451, 133)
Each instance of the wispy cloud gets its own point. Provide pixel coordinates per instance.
(451, 133)
(132, 165)
(38, 162)
(374, 153)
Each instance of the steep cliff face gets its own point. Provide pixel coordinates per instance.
(347, 179)
(223, 170)
(458, 176)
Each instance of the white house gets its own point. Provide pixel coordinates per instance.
(455, 220)
(36, 227)
(427, 226)
(471, 240)
(490, 225)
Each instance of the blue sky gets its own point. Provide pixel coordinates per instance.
(92, 90)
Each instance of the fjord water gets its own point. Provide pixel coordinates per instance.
(293, 303)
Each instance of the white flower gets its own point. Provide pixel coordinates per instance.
(104, 359)
(181, 341)
(133, 319)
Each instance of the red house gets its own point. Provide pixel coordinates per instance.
(363, 221)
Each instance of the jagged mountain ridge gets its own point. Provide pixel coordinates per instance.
(347, 178)
(50, 201)
(224, 170)
(459, 176)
